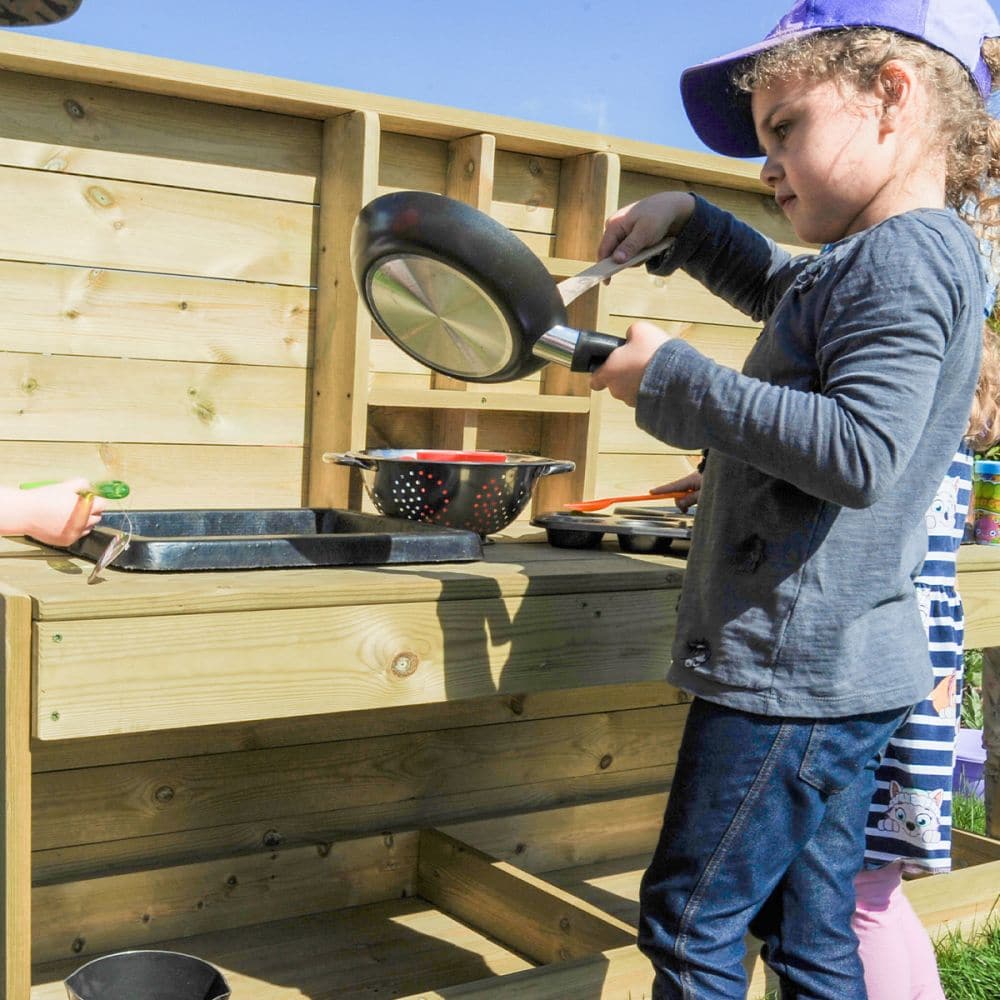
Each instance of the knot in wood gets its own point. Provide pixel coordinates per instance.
(164, 793)
(404, 664)
(74, 109)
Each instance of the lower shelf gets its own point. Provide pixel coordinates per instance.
(468, 925)
(388, 949)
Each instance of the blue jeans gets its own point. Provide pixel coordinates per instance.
(764, 830)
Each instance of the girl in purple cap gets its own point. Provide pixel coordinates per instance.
(799, 632)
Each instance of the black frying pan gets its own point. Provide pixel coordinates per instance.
(461, 294)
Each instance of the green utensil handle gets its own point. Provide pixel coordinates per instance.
(109, 489)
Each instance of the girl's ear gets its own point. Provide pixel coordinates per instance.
(894, 89)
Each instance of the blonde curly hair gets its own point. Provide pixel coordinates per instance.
(960, 125)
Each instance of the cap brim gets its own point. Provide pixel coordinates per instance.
(719, 113)
(31, 13)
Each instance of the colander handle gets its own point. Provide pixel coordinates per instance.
(551, 468)
(350, 458)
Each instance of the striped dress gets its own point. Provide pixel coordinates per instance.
(910, 815)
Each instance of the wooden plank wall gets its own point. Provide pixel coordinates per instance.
(160, 264)
(157, 259)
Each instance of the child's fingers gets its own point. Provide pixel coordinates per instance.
(80, 515)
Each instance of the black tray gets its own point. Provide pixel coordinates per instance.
(181, 540)
(637, 529)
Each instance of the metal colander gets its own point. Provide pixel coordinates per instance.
(481, 491)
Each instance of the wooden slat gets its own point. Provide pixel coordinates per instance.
(526, 192)
(15, 779)
(91, 805)
(167, 476)
(55, 755)
(583, 833)
(481, 399)
(79, 128)
(969, 849)
(53, 398)
(340, 349)
(52, 309)
(959, 901)
(612, 975)
(628, 475)
(76, 861)
(204, 669)
(534, 918)
(412, 163)
(103, 222)
(507, 570)
(137, 910)
(49, 57)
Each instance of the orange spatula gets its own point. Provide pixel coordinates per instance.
(600, 504)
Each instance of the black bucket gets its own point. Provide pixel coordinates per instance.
(147, 975)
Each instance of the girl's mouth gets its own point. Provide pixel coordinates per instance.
(784, 201)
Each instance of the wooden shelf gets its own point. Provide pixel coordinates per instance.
(479, 398)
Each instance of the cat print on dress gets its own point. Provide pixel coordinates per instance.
(913, 813)
(940, 516)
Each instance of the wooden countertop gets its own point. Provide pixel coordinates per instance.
(151, 651)
(58, 587)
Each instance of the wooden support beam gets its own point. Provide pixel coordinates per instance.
(338, 393)
(471, 166)
(616, 974)
(15, 779)
(588, 193)
(529, 915)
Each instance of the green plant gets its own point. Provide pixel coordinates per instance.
(969, 963)
(972, 692)
(968, 812)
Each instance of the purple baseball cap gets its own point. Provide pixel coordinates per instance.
(720, 114)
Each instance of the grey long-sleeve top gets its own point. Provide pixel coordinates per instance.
(824, 454)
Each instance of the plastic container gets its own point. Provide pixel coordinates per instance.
(147, 975)
(970, 763)
(986, 502)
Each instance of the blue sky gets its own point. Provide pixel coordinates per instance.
(599, 65)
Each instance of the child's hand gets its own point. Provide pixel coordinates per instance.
(623, 371)
(691, 482)
(644, 223)
(55, 515)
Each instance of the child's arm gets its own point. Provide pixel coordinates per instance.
(730, 258)
(55, 515)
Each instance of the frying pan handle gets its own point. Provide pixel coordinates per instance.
(592, 350)
(349, 458)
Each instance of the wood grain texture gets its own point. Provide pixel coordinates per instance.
(534, 918)
(15, 779)
(108, 223)
(209, 669)
(79, 128)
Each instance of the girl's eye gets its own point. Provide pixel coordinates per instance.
(781, 129)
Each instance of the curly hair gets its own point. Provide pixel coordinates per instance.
(959, 126)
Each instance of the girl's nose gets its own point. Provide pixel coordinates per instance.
(770, 172)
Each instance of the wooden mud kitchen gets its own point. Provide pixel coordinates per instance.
(416, 780)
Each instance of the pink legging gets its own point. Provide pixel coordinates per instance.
(896, 952)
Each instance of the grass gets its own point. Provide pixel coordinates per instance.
(969, 966)
(968, 812)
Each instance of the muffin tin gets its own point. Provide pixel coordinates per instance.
(638, 529)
